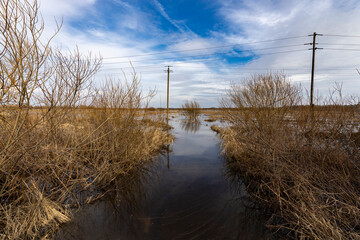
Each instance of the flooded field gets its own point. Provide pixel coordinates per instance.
(184, 194)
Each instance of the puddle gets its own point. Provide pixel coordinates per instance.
(183, 194)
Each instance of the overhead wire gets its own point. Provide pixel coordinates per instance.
(207, 48)
(209, 54)
(216, 59)
(343, 49)
(339, 35)
(340, 44)
(179, 61)
(241, 72)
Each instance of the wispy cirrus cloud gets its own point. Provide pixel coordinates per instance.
(163, 13)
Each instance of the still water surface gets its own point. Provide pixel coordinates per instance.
(184, 194)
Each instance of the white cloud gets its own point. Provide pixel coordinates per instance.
(261, 20)
(65, 8)
(249, 21)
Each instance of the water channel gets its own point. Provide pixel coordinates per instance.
(185, 193)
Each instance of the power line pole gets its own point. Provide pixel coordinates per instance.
(168, 87)
(167, 112)
(314, 48)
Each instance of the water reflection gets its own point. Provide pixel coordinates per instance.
(168, 151)
(251, 218)
(191, 125)
(112, 216)
(189, 200)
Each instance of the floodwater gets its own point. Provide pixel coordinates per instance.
(184, 194)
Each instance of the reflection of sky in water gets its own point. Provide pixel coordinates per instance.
(202, 143)
(190, 200)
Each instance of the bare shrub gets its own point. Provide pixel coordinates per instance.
(55, 154)
(191, 109)
(301, 163)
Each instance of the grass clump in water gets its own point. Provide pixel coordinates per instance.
(191, 110)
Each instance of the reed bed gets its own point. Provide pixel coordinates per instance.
(56, 154)
(47, 172)
(301, 162)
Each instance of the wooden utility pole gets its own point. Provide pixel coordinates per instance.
(167, 112)
(313, 66)
(168, 87)
(314, 48)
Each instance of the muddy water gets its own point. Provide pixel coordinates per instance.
(184, 194)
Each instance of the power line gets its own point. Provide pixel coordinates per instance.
(340, 44)
(157, 67)
(343, 49)
(230, 75)
(220, 71)
(204, 55)
(222, 58)
(207, 48)
(229, 54)
(337, 35)
(225, 70)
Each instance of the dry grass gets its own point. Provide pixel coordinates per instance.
(66, 162)
(55, 155)
(301, 163)
(216, 129)
(52, 167)
(214, 114)
(191, 109)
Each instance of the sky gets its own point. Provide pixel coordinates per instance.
(212, 43)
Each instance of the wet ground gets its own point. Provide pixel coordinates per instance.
(184, 194)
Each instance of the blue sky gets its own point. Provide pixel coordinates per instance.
(211, 43)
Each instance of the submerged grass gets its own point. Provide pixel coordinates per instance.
(302, 163)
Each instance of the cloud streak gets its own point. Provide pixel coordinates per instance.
(163, 13)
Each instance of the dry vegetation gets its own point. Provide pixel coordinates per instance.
(191, 110)
(55, 155)
(302, 163)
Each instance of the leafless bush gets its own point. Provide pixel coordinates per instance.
(55, 155)
(301, 163)
(191, 109)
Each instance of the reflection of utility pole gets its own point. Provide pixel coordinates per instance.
(168, 156)
(167, 102)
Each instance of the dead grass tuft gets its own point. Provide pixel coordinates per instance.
(191, 109)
